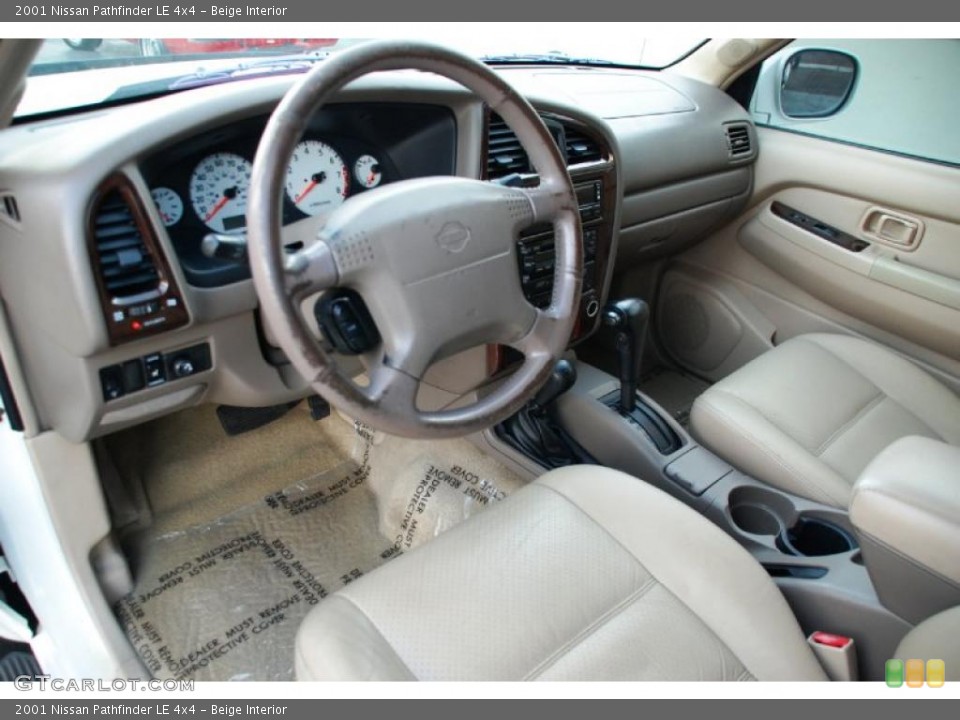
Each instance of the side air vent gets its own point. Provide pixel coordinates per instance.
(9, 208)
(505, 155)
(123, 260)
(738, 141)
(137, 289)
(580, 148)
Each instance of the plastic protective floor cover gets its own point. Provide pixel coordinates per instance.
(223, 601)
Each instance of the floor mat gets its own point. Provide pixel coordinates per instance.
(222, 600)
(674, 391)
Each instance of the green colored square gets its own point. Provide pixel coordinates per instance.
(894, 673)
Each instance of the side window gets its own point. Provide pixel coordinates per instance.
(893, 95)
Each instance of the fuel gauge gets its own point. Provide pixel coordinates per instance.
(367, 171)
(169, 205)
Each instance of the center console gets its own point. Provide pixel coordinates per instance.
(906, 510)
(590, 162)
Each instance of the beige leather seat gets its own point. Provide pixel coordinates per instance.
(809, 415)
(586, 574)
(936, 638)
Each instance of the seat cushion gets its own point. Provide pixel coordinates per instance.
(587, 574)
(809, 415)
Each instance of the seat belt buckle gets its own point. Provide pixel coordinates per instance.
(837, 655)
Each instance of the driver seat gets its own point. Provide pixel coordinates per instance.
(586, 574)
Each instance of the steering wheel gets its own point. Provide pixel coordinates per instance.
(434, 259)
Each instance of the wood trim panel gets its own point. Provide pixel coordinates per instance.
(167, 310)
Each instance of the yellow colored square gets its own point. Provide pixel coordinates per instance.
(914, 673)
(936, 673)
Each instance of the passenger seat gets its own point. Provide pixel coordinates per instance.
(808, 416)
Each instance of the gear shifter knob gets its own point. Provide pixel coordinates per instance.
(562, 378)
(629, 318)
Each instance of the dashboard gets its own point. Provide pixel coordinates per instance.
(119, 317)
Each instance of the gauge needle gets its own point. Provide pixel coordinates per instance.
(228, 195)
(314, 181)
(306, 191)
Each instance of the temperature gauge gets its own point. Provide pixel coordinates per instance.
(169, 205)
(367, 171)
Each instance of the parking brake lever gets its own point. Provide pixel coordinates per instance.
(628, 317)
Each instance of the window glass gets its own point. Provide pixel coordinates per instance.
(903, 99)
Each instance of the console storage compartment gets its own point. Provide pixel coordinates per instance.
(906, 510)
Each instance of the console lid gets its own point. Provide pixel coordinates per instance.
(906, 510)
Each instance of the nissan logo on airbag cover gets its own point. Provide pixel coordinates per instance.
(453, 237)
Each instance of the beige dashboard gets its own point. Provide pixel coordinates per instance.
(664, 167)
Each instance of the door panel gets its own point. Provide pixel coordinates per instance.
(875, 251)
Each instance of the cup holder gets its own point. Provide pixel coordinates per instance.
(811, 537)
(759, 511)
(763, 512)
(755, 519)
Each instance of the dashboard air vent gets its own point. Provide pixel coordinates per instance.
(580, 148)
(505, 155)
(738, 141)
(9, 208)
(123, 260)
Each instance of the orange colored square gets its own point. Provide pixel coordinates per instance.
(914, 673)
(936, 673)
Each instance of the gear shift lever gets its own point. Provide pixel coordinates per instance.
(629, 318)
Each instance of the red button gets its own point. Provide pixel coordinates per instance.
(837, 641)
(136, 325)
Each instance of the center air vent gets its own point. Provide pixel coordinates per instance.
(580, 148)
(738, 141)
(505, 155)
(124, 262)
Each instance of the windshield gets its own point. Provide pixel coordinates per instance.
(83, 72)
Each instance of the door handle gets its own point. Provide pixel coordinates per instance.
(891, 228)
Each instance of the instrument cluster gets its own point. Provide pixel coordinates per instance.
(201, 185)
(318, 181)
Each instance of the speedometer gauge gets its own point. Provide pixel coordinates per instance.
(218, 191)
(317, 178)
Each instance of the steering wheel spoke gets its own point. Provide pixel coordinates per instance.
(310, 270)
(534, 344)
(547, 201)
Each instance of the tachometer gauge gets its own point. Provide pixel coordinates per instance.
(317, 179)
(218, 191)
(169, 205)
(367, 171)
